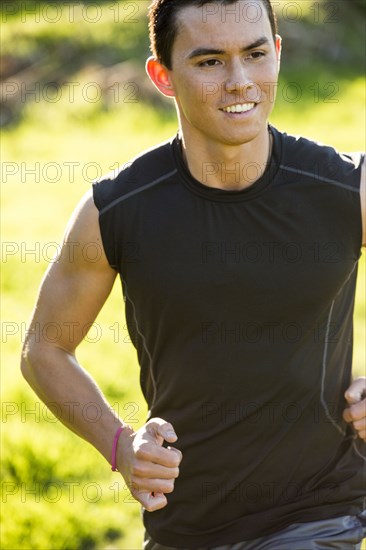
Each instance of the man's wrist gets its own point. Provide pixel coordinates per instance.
(123, 432)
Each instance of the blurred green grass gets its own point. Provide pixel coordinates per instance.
(78, 503)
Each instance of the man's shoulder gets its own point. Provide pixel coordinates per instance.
(304, 155)
(145, 169)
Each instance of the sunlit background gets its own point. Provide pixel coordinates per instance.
(75, 104)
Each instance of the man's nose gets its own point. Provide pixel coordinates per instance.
(240, 83)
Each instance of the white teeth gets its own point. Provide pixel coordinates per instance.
(243, 108)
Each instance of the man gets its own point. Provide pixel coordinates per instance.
(237, 247)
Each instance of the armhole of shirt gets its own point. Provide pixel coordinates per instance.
(106, 226)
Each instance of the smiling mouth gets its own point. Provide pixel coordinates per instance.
(239, 108)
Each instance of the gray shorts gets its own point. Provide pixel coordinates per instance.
(342, 533)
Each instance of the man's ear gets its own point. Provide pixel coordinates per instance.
(278, 45)
(159, 76)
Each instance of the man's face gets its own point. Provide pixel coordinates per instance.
(218, 51)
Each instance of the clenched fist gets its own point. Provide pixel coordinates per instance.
(148, 468)
(356, 412)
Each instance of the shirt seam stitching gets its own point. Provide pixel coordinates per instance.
(137, 191)
(318, 177)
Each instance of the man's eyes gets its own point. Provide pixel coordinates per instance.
(257, 55)
(209, 63)
(217, 62)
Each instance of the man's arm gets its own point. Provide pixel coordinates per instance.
(356, 393)
(363, 201)
(72, 293)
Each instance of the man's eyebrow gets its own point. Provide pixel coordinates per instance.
(198, 52)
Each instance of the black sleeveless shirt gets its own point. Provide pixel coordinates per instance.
(240, 306)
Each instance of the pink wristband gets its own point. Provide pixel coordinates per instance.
(114, 448)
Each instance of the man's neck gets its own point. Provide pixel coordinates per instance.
(228, 167)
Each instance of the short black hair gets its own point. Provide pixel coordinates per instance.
(163, 24)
